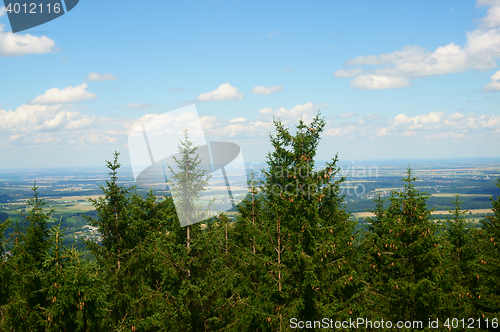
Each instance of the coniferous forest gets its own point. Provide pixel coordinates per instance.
(292, 258)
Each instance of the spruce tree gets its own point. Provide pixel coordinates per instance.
(30, 244)
(74, 287)
(305, 238)
(459, 262)
(487, 293)
(405, 257)
(4, 268)
(191, 181)
(192, 260)
(118, 229)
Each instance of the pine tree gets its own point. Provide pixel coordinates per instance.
(249, 261)
(406, 257)
(4, 268)
(193, 260)
(305, 234)
(487, 293)
(119, 228)
(30, 244)
(191, 180)
(459, 262)
(76, 292)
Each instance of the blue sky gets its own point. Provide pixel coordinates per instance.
(394, 79)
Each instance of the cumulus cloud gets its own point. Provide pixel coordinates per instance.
(480, 53)
(441, 122)
(348, 72)
(431, 126)
(494, 84)
(29, 119)
(58, 124)
(93, 76)
(262, 90)
(492, 18)
(223, 93)
(70, 94)
(139, 106)
(241, 119)
(219, 129)
(305, 112)
(242, 128)
(14, 44)
(373, 82)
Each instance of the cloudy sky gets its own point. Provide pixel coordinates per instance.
(393, 79)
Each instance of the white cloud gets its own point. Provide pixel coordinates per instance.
(262, 90)
(241, 119)
(13, 44)
(480, 52)
(265, 111)
(428, 126)
(272, 33)
(348, 72)
(416, 61)
(494, 84)
(224, 92)
(29, 119)
(288, 69)
(139, 106)
(242, 128)
(67, 95)
(492, 18)
(440, 122)
(305, 112)
(93, 76)
(347, 115)
(379, 82)
(382, 132)
(2, 11)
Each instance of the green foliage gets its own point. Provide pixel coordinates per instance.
(489, 263)
(292, 251)
(406, 258)
(74, 287)
(293, 233)
(31, 242)
(460, 261)
(4, 270)
(190, 181)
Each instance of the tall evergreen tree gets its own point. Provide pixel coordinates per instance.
(190, 182)
(406, 258)
(192, 260)
(304, 237)
(487, 294)
(31, 242)
(74, 288)
(459, 262)
(120, 235)
(4, 268)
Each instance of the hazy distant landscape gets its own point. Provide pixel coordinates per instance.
(68, 190)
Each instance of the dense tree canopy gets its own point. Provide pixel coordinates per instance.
(291, 253)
